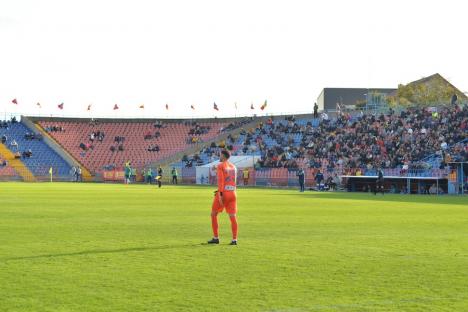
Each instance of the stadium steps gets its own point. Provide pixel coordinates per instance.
(167, 162)
(17, 164)
(61, 150)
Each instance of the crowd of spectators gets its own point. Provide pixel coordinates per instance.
(153, 148)
(194, 139)
(6, 123)
(31, 136)
(149, 135)
(96, 136)
(402, 140)
(198, 129)
(237, 124)
(159, 124)
(86, 146)
(117, 147)
(456, 153)
(27, 153)
(54, 129)
(392, 140)
(194, 160)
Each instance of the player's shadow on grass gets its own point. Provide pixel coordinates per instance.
(102, 251)
(413, 198)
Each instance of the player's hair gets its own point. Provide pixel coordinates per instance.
(226, 153)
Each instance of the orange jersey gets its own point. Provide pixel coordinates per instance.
(227, 176)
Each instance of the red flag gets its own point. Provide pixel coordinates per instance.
(167, 106)
(264, 105)
(192, 107)
(142, 106)
(215, 107)
(116, 106)
(89, 107)
(60, 106)
(251, 106)
(14, 101)
(39, 104)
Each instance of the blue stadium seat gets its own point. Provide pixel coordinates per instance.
(43, 157)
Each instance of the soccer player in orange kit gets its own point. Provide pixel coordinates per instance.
(225, 197)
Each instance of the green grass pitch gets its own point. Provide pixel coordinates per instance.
(102, 247)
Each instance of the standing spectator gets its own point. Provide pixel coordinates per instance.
(159, 177)
(149, 176)
(379, 183)
(127, 172)
(133, 174)
(315, 110)
(72, 173)
(246, 175)
(301, 175)
(318, 180)
(13, 144)
(336, 181)
(79, 175)
(76, 174)
(174, 175)
(330, 184)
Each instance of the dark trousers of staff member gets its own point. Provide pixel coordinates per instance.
(379, 185)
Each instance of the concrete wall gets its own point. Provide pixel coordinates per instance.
(346, 96)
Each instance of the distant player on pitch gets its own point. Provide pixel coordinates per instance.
(225, 197)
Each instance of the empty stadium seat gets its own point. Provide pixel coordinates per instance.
(43, 157)
(173, 139)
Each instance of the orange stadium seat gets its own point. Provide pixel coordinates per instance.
(173, 139)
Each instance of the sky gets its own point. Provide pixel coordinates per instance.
(185, 52)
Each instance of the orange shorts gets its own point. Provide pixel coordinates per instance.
(229, 203)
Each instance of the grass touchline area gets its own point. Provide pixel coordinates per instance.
(113, 247)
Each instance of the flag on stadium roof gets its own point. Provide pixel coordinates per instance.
(89, 107)
(251, 106)
(235, 105)
(167, 106)
(14, 101)
(215, 107)
(116, 106)
(192, 107)
(264, 105)
(142, 106)
(60, 106)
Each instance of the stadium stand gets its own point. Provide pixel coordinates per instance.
(7, 172)
(28, 148)
(105, 144)
(393, 141)
(411, 142)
